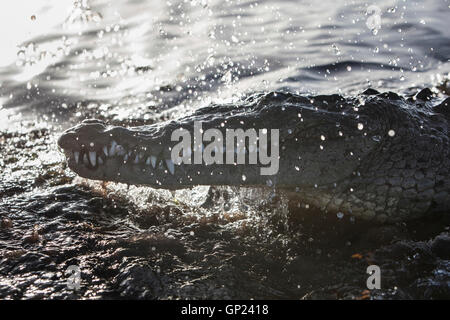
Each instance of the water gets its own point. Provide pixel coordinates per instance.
(131, 59)
(135, 62)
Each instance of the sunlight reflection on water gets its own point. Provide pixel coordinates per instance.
(136, 59)
(21, 20)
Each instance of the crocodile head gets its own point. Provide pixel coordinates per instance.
(314, 146)
(351, 155)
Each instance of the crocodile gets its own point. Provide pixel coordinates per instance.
(376, 156)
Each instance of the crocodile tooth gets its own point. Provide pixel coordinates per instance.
(93, 157)
(125, 158)
(147, 162)
(136, 159)
(153, 160)
(85, 159)
(105, 150)
(119, 150)
(112, 149)
(100, 160)
(170, 166)
(76, 155)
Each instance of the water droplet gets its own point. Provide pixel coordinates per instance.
(360, 126)
(336, 49)
(391, 133)
(340, 215)
(322, 137)
(244, 177)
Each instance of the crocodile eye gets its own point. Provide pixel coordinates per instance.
(93, 121)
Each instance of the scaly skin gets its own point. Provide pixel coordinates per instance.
(337, 154)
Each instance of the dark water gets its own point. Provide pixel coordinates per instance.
(138, 62)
